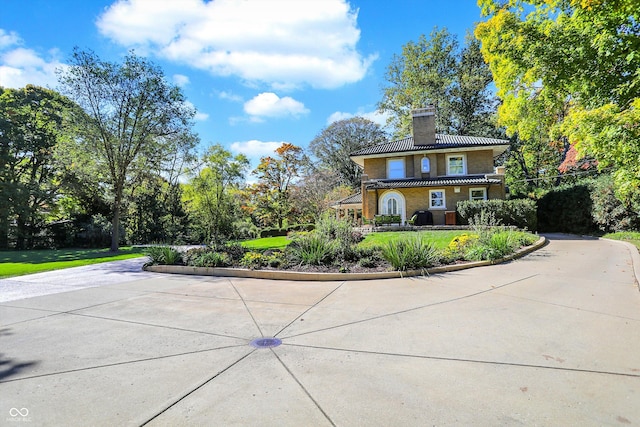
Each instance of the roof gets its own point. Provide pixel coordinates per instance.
(434, 182)
(442, 142)
(354, 199)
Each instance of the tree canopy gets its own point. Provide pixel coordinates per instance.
(33, 120)
(570, 69)
(131, 115)
(335, 143)
(434, 70)
(272, 192)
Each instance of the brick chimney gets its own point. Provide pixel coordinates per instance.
(424, 125)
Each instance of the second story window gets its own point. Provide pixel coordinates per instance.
(456, 164)
(425, 165)
(395, 169)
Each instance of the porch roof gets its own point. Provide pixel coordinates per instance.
(434, 182)
(349, 202)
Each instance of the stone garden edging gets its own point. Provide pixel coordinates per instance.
(330, 277)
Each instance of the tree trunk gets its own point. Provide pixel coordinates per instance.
(4, 230)
(115, 223)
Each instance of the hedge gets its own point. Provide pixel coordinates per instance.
(518, 212)
(275, 232)
(567, 209)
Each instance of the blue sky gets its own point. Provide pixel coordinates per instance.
(259, 72)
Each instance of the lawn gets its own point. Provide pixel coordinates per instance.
(17, 263)
(628, 236)
(279, 242)
(440, 238)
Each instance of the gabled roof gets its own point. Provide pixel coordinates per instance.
(443, 142)
(433, 182)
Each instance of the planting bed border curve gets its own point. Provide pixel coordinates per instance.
(331, 277)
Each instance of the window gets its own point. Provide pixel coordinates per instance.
(478, 194)
(395, 168)
(425, 165)
(456, 164)
(392, 203)
(436, 199)
(392, 206)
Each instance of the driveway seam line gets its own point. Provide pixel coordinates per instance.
(110, 365)
(248, 310)
(308, 309)
(303, 388)
(478, 361)
(155, 326)
(197, 388)
(413, 309)
(569, 307)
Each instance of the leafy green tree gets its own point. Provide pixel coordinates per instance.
(209, 195)
(434, 70)
(335, 143)
(32, 122)
(570, 67)
(272, 195)
(130, 119)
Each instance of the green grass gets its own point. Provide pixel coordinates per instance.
(440, 238)
(17, 263)
(278, 242)
(629, 236)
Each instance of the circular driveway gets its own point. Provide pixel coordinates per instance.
(550, 339)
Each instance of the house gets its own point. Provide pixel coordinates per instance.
(426, 172)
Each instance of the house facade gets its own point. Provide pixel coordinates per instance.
(428, 172)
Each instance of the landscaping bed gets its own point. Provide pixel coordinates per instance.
(334, 248)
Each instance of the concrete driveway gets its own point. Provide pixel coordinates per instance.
(551, 339)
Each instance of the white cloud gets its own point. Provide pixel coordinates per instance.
(376, 116)
(20, 66)
(8, 39)
(268, 104)
(180, 80)
(201, 117)
(230, 96)
(255, 148)
(282, 43)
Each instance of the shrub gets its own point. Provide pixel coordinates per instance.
(273, 232)
(412, 253)
(274, 259)
(608, 212)
(518, 212)
(458, 245)
(235, 250)
(566, 209)
(252, 260)
(495, 243)
(165, 255)
(313, 249)
(340, 232)
(211, 259)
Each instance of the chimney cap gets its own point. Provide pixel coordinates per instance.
(429, 110)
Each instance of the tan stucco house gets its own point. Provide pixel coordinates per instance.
(426, 172)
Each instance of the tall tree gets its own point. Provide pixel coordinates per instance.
(333, 145)
(434, 70)
(275, 176)
(32, 122)
(209, 194)
(130, 113)
(570, 66)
